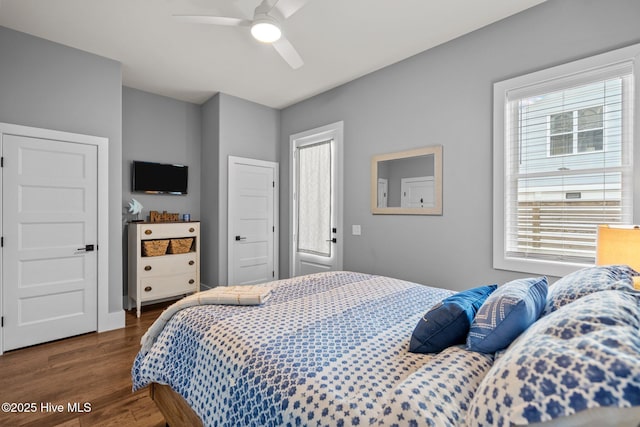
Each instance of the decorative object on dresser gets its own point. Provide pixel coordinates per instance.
(135, 208)
(155, 216)
(164, 260)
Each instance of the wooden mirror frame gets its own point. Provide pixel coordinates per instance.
(436, 151)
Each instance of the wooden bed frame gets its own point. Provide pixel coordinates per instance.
(178, 413)
(174, 408)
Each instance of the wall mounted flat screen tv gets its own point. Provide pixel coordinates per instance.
(159, 178)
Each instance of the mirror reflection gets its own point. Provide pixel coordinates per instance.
(408, 182)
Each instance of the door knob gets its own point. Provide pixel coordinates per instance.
(87, 248)
(240, 238)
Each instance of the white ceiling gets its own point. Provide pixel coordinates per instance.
(339, 40)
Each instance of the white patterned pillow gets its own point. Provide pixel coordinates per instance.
(583, 356)
(587, 281)
(439, 392)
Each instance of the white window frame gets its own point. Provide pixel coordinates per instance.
(576, 69)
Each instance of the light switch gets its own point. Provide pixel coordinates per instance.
(356, 230)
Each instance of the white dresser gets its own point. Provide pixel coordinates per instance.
(158, 274)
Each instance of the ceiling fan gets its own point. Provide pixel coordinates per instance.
(265, 26)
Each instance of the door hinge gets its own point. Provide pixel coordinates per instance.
(2, 322)
(273, 229)
(274, 184)
(2, 242)
(273, 274)
(1, 162)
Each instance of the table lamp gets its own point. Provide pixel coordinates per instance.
(619, 245)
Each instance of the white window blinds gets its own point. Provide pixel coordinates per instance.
(567, 163)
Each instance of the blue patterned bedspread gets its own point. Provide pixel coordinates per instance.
(325, 349)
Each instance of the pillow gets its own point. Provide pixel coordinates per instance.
(586, 281)
(583, 357)
(511, 309)
(447, 323)
(436, 393)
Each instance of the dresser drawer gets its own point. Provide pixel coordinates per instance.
(167, 286)
(168, 264)
(169, 230)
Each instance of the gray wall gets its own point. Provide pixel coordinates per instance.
(231, 127)
(444, 96)
(209, 196)
(47, 85)
(164, 130)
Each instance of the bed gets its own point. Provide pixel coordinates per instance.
(331, 349)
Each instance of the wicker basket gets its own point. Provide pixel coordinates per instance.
(154, 247)
(180, 246)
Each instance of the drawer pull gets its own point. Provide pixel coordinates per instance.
(147, 268)
(191, 230)
(148, 289)
(192, 262)
(191, 282)
(147, 232)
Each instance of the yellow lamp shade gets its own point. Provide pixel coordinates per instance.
(619, 245)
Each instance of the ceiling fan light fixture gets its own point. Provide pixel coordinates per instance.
(266, 29)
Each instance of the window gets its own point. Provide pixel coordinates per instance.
(578, 131)
(314, 198)
(562, 162)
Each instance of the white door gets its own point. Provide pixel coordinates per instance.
(383, 185)
(317, 202)
(253, 230)
(49, 228)
(418, 192)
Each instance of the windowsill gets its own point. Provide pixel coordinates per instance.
(541, 267)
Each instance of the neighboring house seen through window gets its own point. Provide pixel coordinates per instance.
(563, 162)
(577, 131)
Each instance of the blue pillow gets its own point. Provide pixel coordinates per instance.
(511, 309)
(447, 323)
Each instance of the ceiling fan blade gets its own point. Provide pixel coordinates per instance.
(288, 53)
(215, 20)
(289, 7)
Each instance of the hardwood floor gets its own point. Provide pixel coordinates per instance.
(94, 369)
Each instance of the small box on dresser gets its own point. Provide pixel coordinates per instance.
(155, 275)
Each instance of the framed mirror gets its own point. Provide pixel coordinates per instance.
(407, 182)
